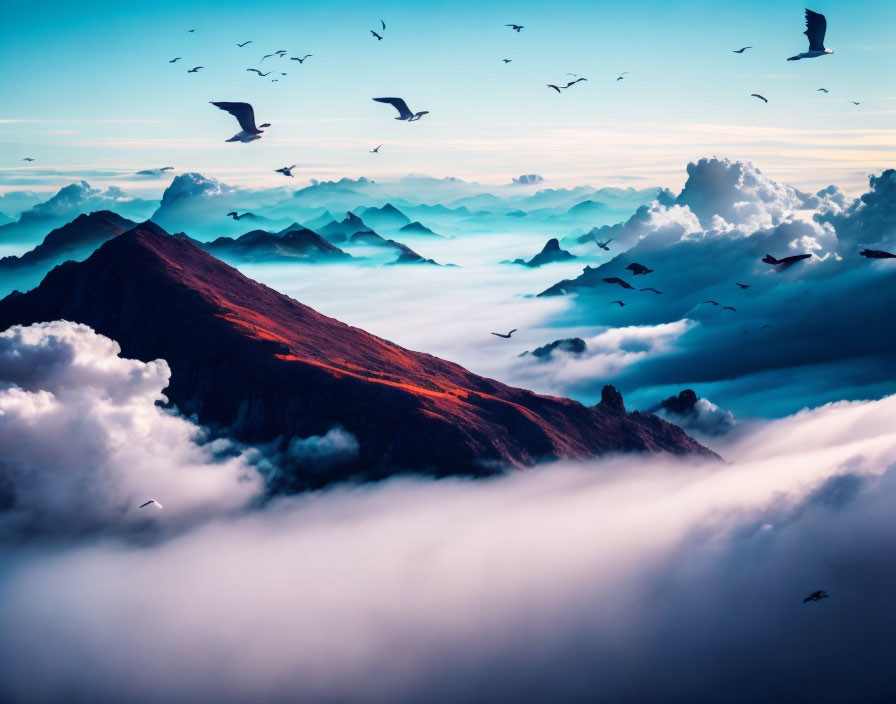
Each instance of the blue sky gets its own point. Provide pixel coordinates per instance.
(89, 86)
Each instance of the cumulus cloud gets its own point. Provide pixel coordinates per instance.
(84, 443)
(566, 583)
(528, 179)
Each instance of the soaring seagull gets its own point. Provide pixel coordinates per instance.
(816, 26)
(822, 90)
(650, 288)
(507, 336)
(244, 43)
(255, 70)
(28, 158)
(506, 61)
(151, 502)
(816, 596)
(603, 245)
(384, 25)
(514, 27)
(740, 51)
(376, 150)
(286, 170)
(743, 285)
(404, 112)
(174, 60)
(854, 102)
(245, 115)
(195, 69)
(379, 37)
(762, 98)
(302, 60)
(729, 308)
(621, 76)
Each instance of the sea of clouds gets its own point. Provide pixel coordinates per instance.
(623, 579)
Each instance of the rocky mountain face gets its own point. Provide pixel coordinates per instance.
(267, 368)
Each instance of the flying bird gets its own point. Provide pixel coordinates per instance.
(174, 60)
(619, 303)
(376, 150)
(302, 60)
(767, 326)
(617, 280)
(729, 308)
(572, 83)
(715, 303)
(244, 44)
(255, 70)
(404, 112)
(638, 269)
(756, 95)
(556, 88)
(877, 254)
(195, 69)
(245, 115)
(603, 245)
(266, 56)
(816, 26)
(286, 170)
(621, 76)
(786, 261)
(816, 596)
(822, 90)
(514, 27)
(236, 216)
(506, 61)
(151, 502)
(854, 102)
(28, 158)
(384, 25)
(650, 288)
(190, 30)
(379, 37)
(743, 285)
(742, 50)
(507, 336)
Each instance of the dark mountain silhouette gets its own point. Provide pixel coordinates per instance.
(418, 229)
(259, 245)
(550, 253)
(406, 255)
(341, 231)
(267, 368)
(572, 345)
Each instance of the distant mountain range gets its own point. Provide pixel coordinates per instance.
(258, 245)
(267, 368)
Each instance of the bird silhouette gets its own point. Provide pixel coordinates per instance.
(767, 326)
(621, 76)
(376, 150)
(506, 61)
(715, 303)
(244, 44)
(638, 269)
(729, 308)
(515, 27)
(551, 85)
(384, 25)
(245, 116)
(404, 112)
(816, 27)
(236, 216)
(507, 336)
(877, 254)
(572, 83)
(255, 70)
(619, 303)
(650, 288)
(743, 285)
(603, 245)
(286, 170)
(742, 50)
(151, 502)
(822, 90)
(854, 102)
(620, 282)
(786, 261)
(762, 98)
(190, 31)
(28, 158)
(379, 37)
(195, 69)
(174, 60)
(816, 596)
(300, 60)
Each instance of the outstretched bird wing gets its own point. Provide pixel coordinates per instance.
(243, 113)
(816, 26)
(398, 104)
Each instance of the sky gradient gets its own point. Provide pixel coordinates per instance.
(89, 88)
